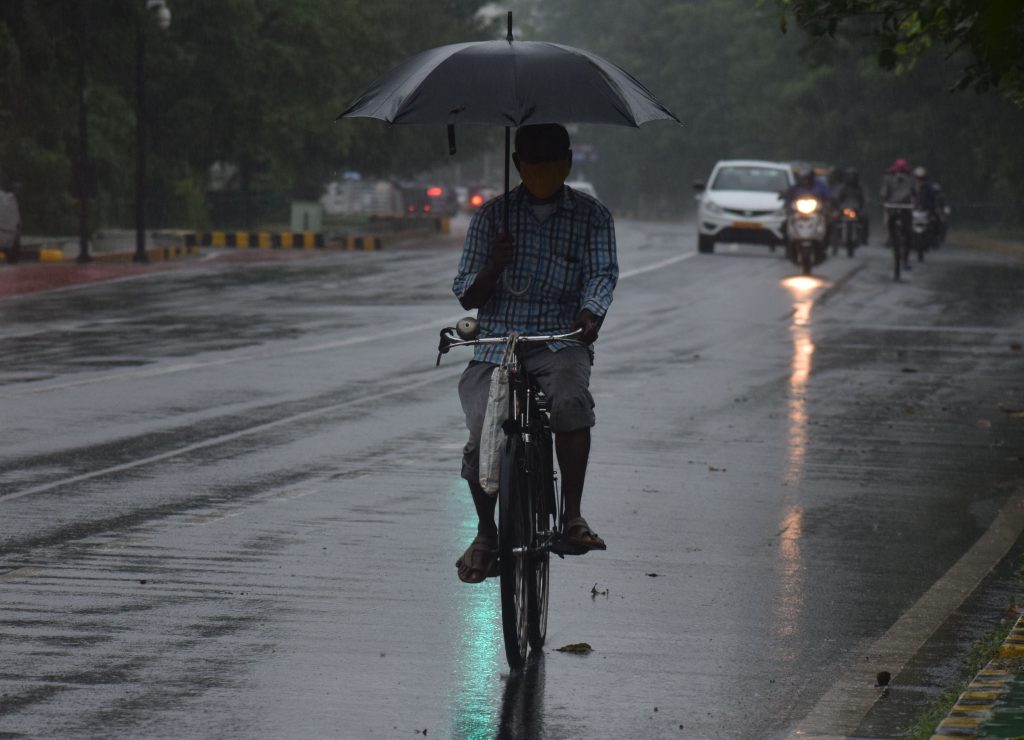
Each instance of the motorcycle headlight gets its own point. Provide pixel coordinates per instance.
(807, 206)
(711, 207)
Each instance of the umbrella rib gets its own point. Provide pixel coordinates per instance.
(617, 89)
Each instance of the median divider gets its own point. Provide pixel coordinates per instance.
(307, 240)
(181, 243)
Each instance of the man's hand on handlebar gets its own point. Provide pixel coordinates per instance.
(589, 324)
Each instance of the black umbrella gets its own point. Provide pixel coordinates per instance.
(507, 83)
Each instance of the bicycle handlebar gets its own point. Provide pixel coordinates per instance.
(449, 339)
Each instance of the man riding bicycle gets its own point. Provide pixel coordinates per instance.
(897, 195)
(556, 269)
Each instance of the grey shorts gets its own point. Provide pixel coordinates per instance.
(564, 376)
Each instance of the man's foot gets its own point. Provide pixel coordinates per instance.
(579, 535)
(479, 561)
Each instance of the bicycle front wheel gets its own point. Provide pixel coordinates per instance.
(514, 530)
(538, 573)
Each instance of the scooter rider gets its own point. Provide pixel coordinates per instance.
(806, 184)
(929, 198)
(850, 194)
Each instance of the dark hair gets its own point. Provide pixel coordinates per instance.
(542, 142)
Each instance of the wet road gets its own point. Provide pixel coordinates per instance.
(231, 504)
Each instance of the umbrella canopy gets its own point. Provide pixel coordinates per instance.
(508, 83)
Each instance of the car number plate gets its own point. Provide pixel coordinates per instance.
(746, 225)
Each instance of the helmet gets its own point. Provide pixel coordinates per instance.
(803, 175)
(900, 165)
(920, 172)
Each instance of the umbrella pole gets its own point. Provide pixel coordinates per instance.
(508, 153)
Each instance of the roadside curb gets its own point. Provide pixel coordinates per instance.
(188, 243)
(993, 682)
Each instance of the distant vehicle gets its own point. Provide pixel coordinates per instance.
(480, 194)
(740, 203)
(582, 186)
(421, 199)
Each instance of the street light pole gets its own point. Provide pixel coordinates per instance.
(140, 140)
(163, 18)
(80, 175)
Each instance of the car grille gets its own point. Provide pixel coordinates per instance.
(748, 214)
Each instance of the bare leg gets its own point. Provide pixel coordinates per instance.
(573, 450)
(485, 511)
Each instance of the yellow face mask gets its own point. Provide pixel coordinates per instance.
(543, 179)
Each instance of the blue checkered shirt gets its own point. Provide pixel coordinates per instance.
(562, 265)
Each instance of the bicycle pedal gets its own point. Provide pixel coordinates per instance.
(562, 548)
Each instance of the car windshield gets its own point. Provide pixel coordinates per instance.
(762, 179)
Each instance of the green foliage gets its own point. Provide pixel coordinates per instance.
(257, 83)
(743, 89)
(987, 37)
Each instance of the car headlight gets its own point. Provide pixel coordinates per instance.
(711, 207)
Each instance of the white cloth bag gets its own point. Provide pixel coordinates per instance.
(492, 436)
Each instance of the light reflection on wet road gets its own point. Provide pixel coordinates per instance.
(231, 505)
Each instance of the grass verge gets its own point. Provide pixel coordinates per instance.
(983, 650)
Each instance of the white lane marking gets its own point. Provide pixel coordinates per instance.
(185, 366)
(403, 387)
(320, 347)
(278, 422)
(843, 707)
(656, 266)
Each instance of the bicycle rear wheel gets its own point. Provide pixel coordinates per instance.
(539, 572)
(897, 252)
(514, 531)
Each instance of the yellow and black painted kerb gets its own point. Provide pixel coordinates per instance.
(281, 240)
(994, 681)
(154, 254)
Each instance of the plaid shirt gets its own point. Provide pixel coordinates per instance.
(562, 265)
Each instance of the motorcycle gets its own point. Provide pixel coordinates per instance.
(850, 230)
(923, 232)
(806, 229)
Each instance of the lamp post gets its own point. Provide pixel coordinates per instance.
(163, 19)
(83, 178)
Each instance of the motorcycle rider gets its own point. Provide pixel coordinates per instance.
(806, 184)
(897, 194)
(929, 198)
(850, 194)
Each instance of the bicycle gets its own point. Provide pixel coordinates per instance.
(530, 506)
(899, 235)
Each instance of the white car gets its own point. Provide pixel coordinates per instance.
(740, 203)
(583, 186)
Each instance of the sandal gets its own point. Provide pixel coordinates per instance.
(578, 534)
(479, 561)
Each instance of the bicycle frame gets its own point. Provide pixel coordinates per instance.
(527, 411)
(528, 501)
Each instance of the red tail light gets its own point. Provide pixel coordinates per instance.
(477, 200)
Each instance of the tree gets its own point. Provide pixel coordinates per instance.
(987, 37)
(256, 83)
